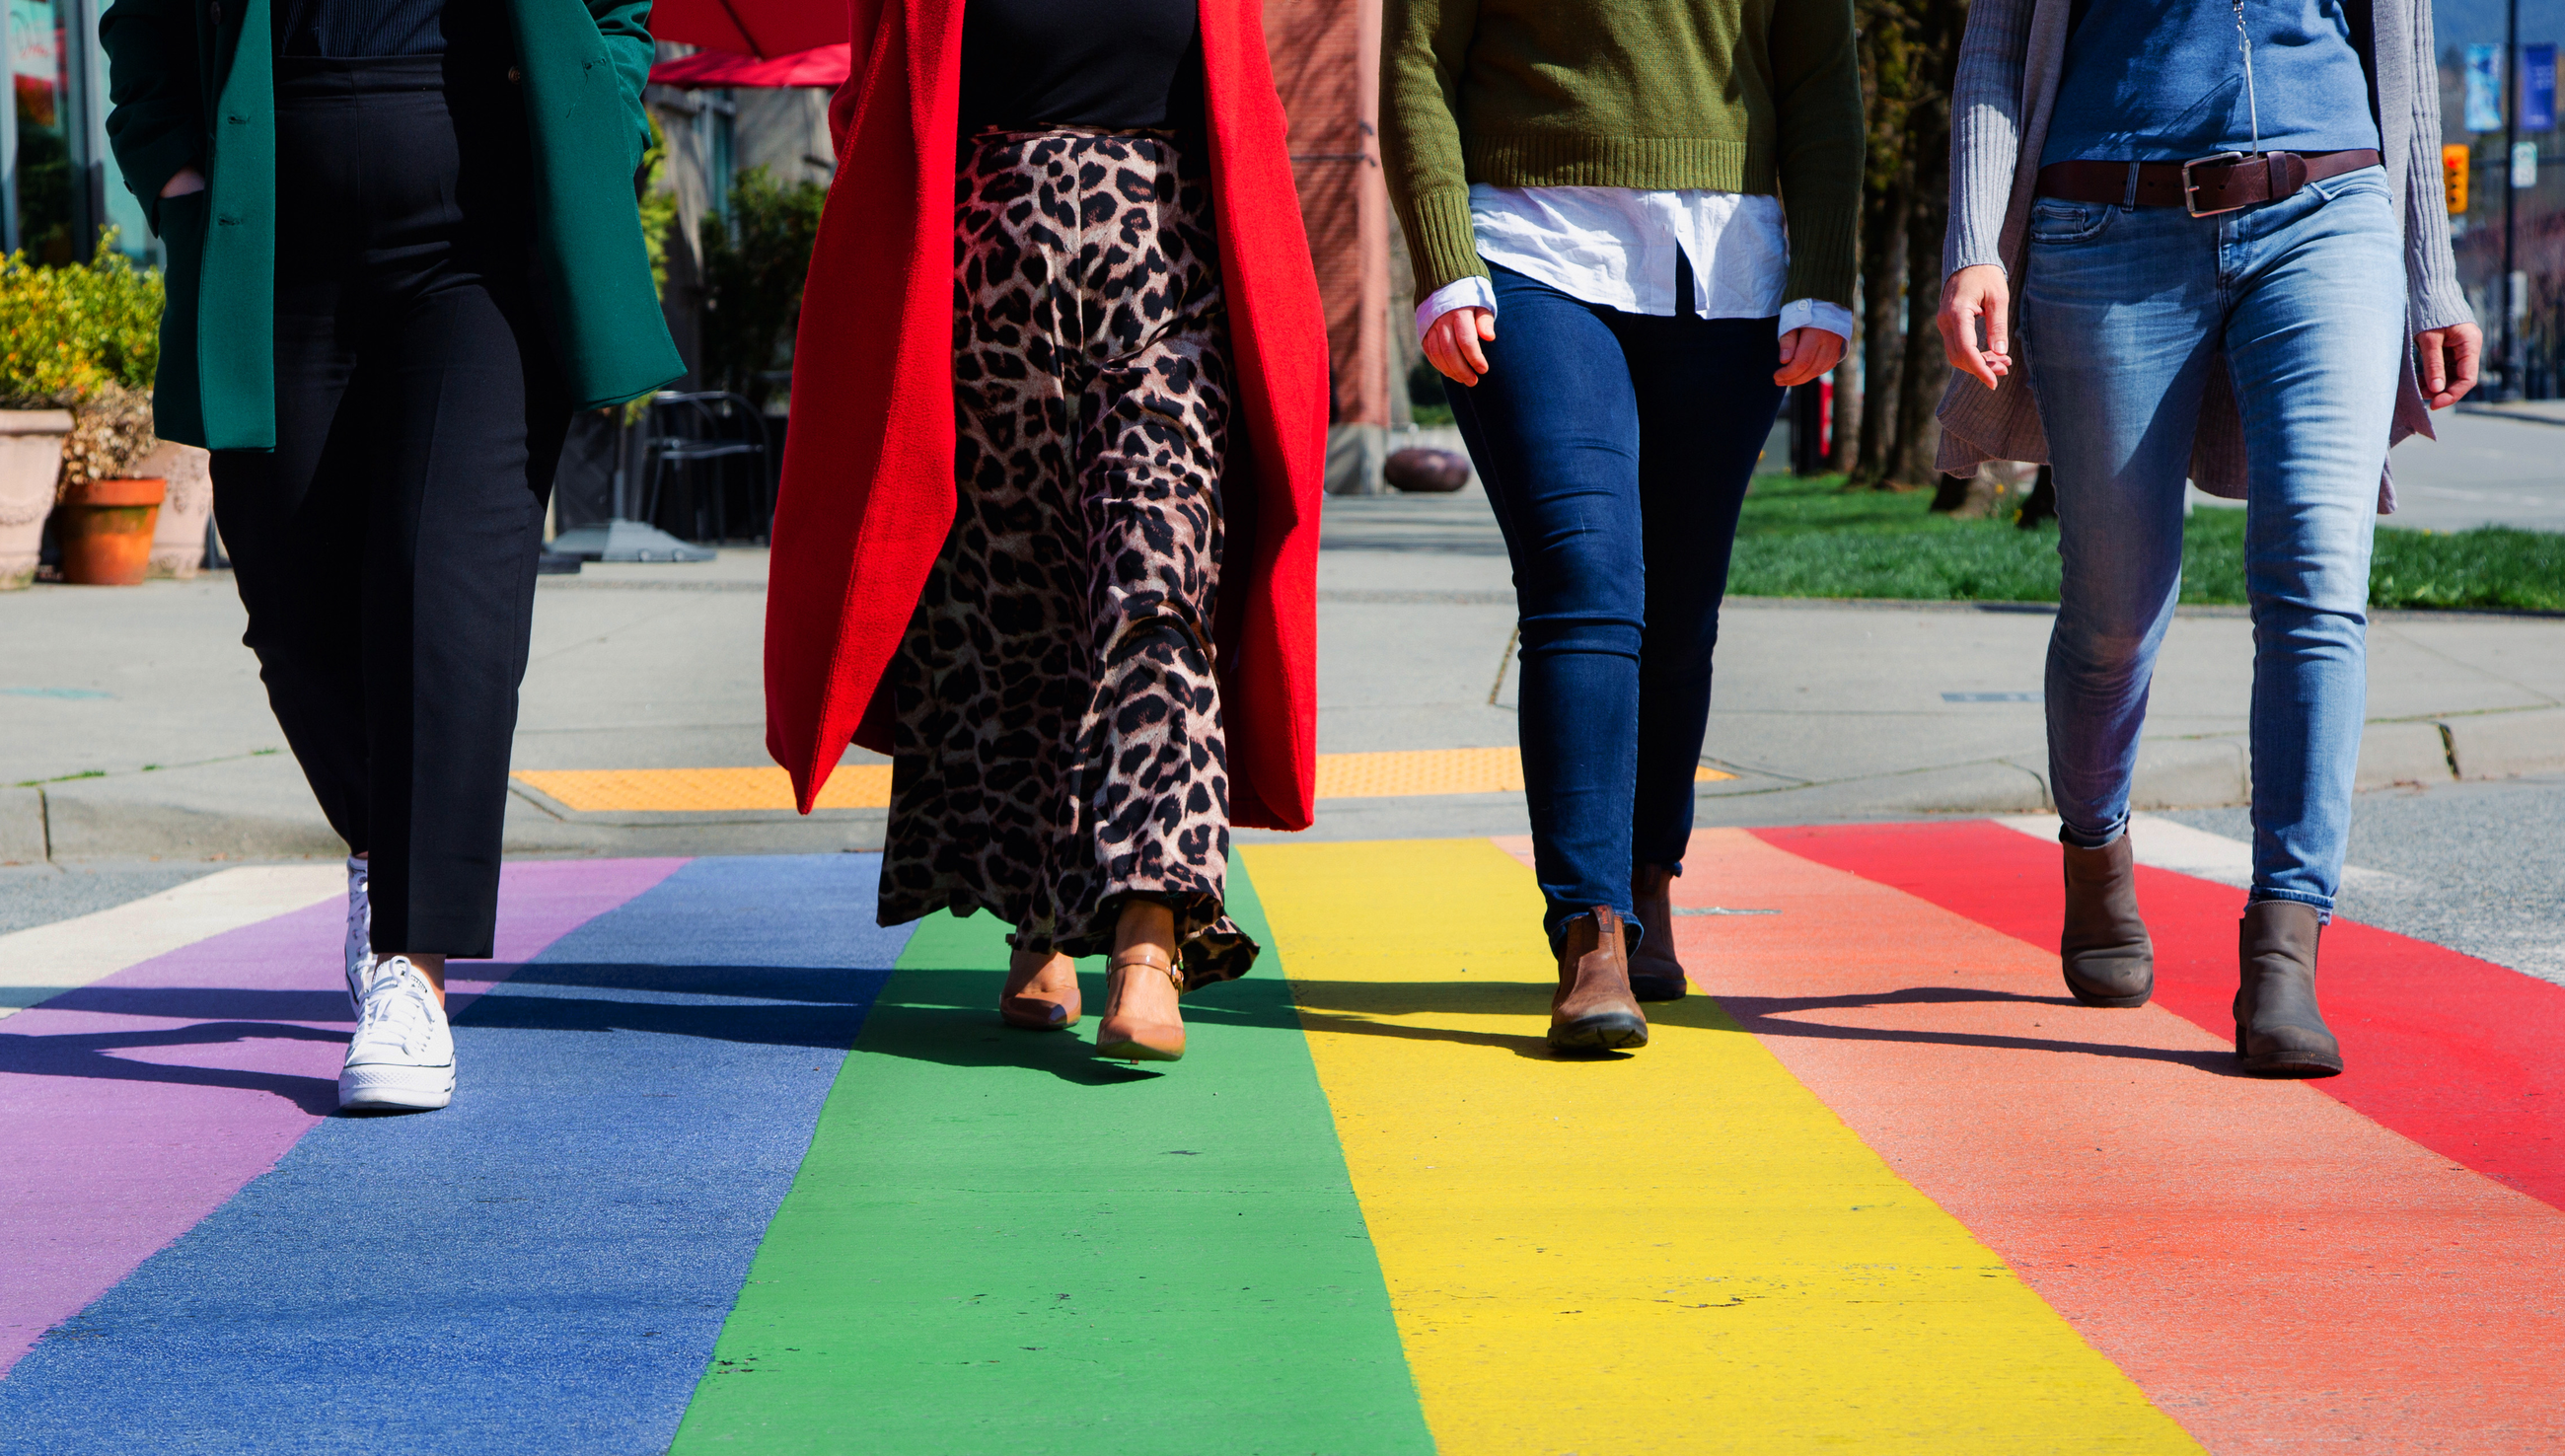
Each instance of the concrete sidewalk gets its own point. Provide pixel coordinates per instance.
(140, 720)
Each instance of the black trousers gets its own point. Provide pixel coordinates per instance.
(386, 550)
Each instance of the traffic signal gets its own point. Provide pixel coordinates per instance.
(2454, 176)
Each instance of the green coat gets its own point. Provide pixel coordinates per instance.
(184, 93)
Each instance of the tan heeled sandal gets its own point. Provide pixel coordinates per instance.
(1127, 1038)
(1042, 997)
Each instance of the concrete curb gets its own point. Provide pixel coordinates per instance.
(263, 811)
(22, 827)
(2505, 745)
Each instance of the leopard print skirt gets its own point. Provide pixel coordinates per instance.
(1056, 742)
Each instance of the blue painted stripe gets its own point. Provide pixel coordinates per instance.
(545, 1265)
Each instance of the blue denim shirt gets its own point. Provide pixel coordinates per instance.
(2163, 80)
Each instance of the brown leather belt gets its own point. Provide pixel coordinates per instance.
(2211, 184)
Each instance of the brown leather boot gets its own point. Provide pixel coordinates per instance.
(1593, 1009)
(2277, 1027)
(2104, 949)
(1655, 974)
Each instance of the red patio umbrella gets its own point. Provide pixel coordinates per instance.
(765, 29)
(825, 67)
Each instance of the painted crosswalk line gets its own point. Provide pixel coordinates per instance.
(734, 1168)
(138, 1104)
(2278, 1271)
(998, 1243)
(543, 1265)
(1680, 1251)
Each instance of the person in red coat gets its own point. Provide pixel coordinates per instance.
(1048, 522)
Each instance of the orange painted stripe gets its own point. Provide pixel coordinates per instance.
(2275, 1271)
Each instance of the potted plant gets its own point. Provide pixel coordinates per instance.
(79, 344)
(107, 508)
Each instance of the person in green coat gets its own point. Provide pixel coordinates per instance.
(404, 249)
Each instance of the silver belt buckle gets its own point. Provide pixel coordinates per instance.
(2191, 189)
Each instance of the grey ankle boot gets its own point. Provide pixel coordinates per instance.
(2104, 948)
(2277, 1027)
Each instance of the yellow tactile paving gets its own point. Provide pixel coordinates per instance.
(703, 791)
(867, 786)
(1432, 771)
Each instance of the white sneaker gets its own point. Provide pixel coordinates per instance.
(403, 1054)
(361, 934)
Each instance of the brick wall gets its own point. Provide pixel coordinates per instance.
(1327, 65)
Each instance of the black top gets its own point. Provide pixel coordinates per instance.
(362, 29)
(1116, 64)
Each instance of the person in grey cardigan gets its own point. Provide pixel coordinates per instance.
(2211, 232)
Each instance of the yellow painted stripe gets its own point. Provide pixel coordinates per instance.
(1680, 1251)
(867, 786)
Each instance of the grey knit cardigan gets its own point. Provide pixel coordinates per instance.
(2006, 89)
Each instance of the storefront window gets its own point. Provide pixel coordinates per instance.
(40, 73)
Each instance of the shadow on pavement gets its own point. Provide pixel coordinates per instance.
(1357, 1007)
(93, 1055)
(785, 1006)
(1772, 1016)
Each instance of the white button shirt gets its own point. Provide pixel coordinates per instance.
(1616, 246)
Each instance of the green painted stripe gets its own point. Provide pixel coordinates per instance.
(996, 1244)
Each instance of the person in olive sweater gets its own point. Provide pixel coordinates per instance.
(403, 248)
(1660, 201)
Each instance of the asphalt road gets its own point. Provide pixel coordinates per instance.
(2483, 470)
(2478, 867)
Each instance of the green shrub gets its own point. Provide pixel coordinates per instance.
(69, 333)
(754, 266)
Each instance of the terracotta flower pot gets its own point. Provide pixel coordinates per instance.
(31, 459)
(105, 527)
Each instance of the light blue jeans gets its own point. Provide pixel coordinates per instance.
(2125, 311)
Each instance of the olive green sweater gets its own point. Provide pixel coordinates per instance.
(1738, 95)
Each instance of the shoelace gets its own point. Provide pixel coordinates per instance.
(402, 1013)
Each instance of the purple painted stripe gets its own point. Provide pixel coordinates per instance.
(132, 1108)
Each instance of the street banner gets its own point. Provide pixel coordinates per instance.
(2538, 88)
(2484, 88)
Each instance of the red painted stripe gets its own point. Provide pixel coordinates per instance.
(2464, 1056)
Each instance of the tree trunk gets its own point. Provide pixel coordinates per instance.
(1933, 67)
(1842, 442)
(1883, 332)
(1925, 369)
(1886, 47)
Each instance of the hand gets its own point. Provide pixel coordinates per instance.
(2448, 358)
(1452, 344)
(186, 180)
(1978, 291)
(1806, 353)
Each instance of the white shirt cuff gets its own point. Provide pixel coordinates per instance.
(1834, 319)
(1472, 291)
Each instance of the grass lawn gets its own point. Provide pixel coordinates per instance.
(1812, 538)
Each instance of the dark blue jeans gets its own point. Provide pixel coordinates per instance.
(1616, 449)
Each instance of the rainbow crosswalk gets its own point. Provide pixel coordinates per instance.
(733, 1168)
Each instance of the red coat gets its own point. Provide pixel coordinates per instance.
(868, 491)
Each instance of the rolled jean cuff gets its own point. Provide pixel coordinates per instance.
(2068, 834)
(1629, 919)
(2321, 904)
